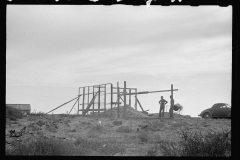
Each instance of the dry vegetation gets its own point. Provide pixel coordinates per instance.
(110, 136)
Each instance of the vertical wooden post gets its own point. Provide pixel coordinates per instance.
(111, 98)
(105, 96)
(78, 100)
(124, 92)
(129, 97)
(99, 101)
(88, 97)
(172, 98)
(118, 99)
(93, 101)
(83, 99)
(136, 99)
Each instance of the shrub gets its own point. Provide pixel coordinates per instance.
(88, 147)
(157, 125)
(95, 131)
(13, 114)
(72, 130)
(110, 148)
(117, 122)
(97, 128)
(143, 136)
(124, 129)
(152, 151)
(38, 113)
(41, 146)
(81, 147)
(212, 144)
(51, 128)
(196, 144)
(169, 148)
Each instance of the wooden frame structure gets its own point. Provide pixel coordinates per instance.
(108, 94)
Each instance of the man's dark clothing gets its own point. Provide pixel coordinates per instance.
(162, 103)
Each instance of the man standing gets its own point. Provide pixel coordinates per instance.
(162, 103)
(171, 106)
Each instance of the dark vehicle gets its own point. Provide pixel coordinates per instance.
(218, 110)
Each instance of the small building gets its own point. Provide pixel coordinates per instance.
(24, 108)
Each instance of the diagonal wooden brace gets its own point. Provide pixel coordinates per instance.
(89, 105)
(139, 103)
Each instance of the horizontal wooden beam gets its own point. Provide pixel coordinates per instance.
(96, 85)
(116, 103)
(119, 92)
(91, 109)
(92, 103)
(123, 88)
(146, 92)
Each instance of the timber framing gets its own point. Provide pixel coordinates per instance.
(106, 94)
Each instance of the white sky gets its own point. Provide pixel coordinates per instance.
(53, 50)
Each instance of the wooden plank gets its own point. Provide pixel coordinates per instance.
(78, 100)
(111, 98)
(88, 96)
(136, 99)
(118, 99)
(105, 96)
(92, 110)
(74, 105)
(86, 110)
(116, 103)
(98, 86)
(125, 100)
(147, 92)
(83, 98)
(123, 88)
(120, 93)
(139, 104)
(93, 101)
(62, 105)
(129, 97)
(162, 91)
(99, 100)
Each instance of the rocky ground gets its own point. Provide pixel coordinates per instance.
(136, 134)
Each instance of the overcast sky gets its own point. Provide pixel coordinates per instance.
(53, 50)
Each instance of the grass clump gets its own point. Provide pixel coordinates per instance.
(212, 144)
(41, 146)
(97, 147)
(143, 136)
(72, 130)
(152, 151)
(38, 114)
(95, 131)
(124, 129)
(13, 114)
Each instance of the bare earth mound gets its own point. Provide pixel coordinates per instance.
(130, 112)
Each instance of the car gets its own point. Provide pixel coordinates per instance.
(218, 110)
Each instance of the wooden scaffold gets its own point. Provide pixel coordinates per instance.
(96, 91)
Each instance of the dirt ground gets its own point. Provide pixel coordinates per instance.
(69, 128)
